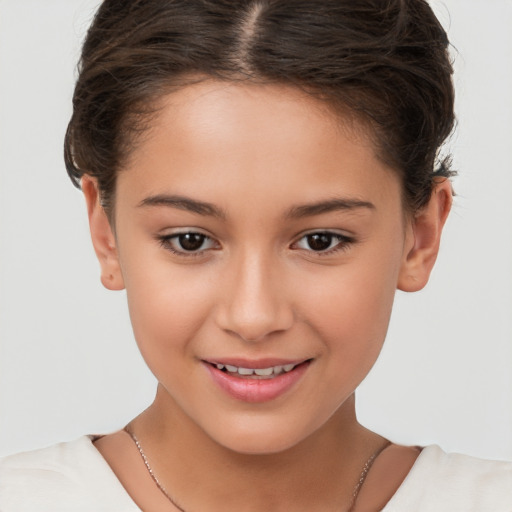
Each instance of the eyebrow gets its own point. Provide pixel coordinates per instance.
(331, 205)
(184, 203)
(296, 212)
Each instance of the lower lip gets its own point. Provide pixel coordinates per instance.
(257, 390)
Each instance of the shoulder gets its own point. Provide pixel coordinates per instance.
(439, 481)
(65, 475)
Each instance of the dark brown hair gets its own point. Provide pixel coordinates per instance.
(385, 61)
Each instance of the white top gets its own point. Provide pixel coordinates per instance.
(74, 477)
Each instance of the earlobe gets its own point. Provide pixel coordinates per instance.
(102, 236)
(424, 238)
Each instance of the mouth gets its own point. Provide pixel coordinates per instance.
(257, 381)
(268, 372)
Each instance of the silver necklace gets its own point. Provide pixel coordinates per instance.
(364, 472)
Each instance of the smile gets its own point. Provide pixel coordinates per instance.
(261, 383)
(256, 373)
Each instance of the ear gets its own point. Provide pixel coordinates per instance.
(423, 238)
(103, 238)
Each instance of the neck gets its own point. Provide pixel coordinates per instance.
(318, 473)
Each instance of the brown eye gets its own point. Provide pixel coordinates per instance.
(323, 242)
(188, 244)
(191, 241)
(319, 241)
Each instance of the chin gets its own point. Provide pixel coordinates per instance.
(258, 444)
(252, 437)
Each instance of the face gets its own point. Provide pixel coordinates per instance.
(260, 241)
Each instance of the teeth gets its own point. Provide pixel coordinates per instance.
(245, 371)
(264, 372)
(260, 372)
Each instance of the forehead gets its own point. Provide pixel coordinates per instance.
(270, 139)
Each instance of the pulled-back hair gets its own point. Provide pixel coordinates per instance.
(385, 62)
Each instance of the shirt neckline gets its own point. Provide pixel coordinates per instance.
(408, 481)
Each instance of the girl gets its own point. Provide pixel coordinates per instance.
(260, 177)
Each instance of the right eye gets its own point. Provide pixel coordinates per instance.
(189, 243)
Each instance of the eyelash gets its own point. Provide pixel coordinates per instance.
(166, 241)
(343, 243)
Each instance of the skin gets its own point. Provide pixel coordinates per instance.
(260, 156)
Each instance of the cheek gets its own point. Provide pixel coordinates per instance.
(351, 319)
(167, 304)
(350, 307)
(351, 295)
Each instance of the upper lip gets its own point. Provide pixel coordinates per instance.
(266, 362)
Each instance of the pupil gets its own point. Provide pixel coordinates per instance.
(191, 241)
(319, 241)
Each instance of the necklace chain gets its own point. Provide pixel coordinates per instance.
(364, 472)
(150, 470)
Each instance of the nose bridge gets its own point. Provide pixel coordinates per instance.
(255, 302)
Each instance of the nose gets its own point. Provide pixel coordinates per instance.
(254, 303)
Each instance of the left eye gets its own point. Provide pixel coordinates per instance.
(188, 242)
(322, 241)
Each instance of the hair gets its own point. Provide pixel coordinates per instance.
(386, 62)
